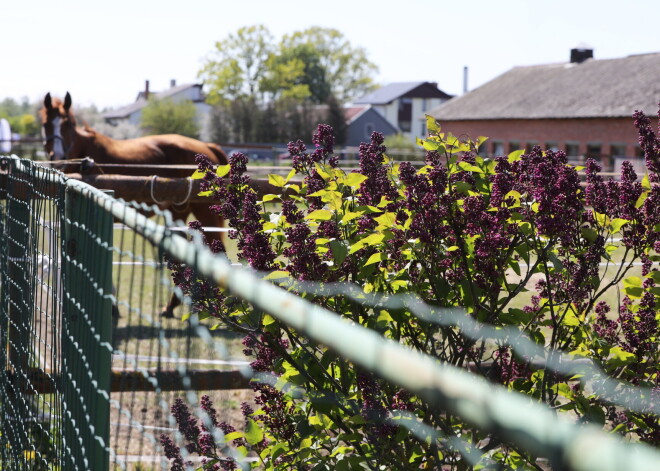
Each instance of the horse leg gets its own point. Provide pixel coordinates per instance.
(207, 218)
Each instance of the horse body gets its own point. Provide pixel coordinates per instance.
(65, 140)
(171, 148)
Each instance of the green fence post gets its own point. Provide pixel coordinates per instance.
(18, 312)
(86, 331)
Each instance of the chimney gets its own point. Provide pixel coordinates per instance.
(146, 89)
(172, 83)
(581, 53)
(465, 79)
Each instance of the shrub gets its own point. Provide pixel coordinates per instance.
(514, 245)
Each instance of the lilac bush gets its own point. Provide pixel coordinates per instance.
(516, 242)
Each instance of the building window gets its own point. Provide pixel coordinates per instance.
(513, 146)
(530, 145)
(618, 150)
(498, 148)
(369, 129)
(405, 114)
(424, 104)
(553, 146)
(572, 150)
(594, 151)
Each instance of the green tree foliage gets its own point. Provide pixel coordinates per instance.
(346, 70)
(289, 87)
(21, 116)
(238, 64)
(168, 117)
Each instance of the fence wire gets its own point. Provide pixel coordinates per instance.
(91, 368)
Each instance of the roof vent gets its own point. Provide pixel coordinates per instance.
(581, 53)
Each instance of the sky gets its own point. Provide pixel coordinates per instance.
(103, 52)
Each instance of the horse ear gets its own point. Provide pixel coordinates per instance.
(48, 102)
(67, 102)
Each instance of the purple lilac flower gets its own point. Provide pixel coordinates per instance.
(173, 453)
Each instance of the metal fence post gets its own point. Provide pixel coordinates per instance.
(86, 332)
(16, 319)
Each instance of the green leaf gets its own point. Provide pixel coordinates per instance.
(319, 215)
(620, 357)
(601, 219)
(270, 198)
(222, 170)
(642, 198)
(432, 124)
(571, 320)
(350, 215)
(468, 167)
(268, 320)
(278, 449)
(233, 436)
(253, 433)
(633, 286)
(462, 187)
(386, 219)
(370, 240)
(431, 145)
(515, 155)
(589, 234)
(277, 275)
(198, 174)
(617, 224)
(515, 266)
(276, 180)
(290, 175)
(339, 251)
(376, 258)
(646, 183)
(354, 179)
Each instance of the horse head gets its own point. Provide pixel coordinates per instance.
(58, 126)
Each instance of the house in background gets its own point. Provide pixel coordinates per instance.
(583, 107)
(404, 104)
(132, 113)
(362, 121)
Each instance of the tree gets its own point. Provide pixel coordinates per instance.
(238, 64)
(252, 82)
(168, 117)
(296, 72)
(348, 72)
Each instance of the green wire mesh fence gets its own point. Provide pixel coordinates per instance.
(90, 368)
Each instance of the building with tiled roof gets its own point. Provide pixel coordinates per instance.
(404, 104)
(583, 106)
(133, 113)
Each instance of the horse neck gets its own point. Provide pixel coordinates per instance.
(92, 145)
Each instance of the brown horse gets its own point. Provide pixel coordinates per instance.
(65, 140)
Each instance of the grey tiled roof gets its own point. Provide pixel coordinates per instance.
(593, 89)
(140, 103)
(387, 93)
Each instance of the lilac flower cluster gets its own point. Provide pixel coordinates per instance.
(649, 143)
(640, 328)
(373, 410)
(372, 165)
(506, 368)
(324, 142)
(199, 437)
